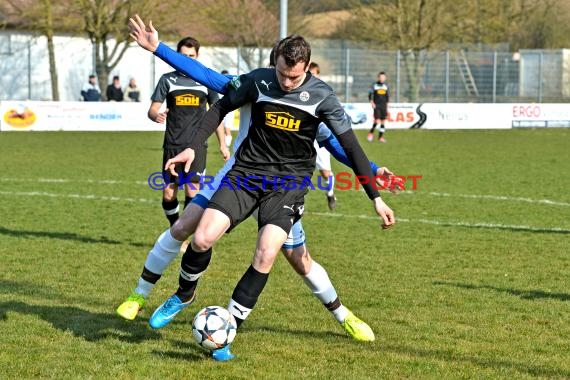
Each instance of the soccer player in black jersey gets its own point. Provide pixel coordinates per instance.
(186, 102)
(287, 106)
(378, 95)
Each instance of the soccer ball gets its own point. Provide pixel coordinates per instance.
(214, 327)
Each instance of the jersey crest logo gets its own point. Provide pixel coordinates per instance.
(187, 100)
(235, 83)
(304, 96)
(263, 82)
(282, 120)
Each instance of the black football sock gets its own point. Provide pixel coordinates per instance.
(191, 269)
(246, 293)
(170, 210)
(373, 128)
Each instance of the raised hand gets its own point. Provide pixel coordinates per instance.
(145, 36)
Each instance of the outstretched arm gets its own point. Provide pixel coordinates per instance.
(359, 165)
(332, 113)
(147, 38)
(383, 174)
(327, 140)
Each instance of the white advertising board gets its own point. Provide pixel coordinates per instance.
(113, 116)
(463, 115)
(75, 116)
(540, 115)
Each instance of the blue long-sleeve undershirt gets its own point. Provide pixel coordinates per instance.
(194, 69)
(333, 146)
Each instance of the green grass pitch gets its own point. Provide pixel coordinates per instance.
(472, 282)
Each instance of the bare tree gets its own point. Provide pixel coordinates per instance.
(245, 23)
(105, 23)
(412, 27)
(41, 17)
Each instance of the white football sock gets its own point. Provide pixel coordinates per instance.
(160, 256)
(144, 287)
(320, 284)
(340, 313)
(330, 193)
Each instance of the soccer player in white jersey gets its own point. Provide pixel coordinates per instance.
(324, 157)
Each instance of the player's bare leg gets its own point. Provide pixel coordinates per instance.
(331, 199)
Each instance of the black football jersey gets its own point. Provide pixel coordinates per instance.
(284, 124)
(379, 93)
(186, 101)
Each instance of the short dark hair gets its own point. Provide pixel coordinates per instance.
(272, 56)
(315, 65)
(189, 42)
(116, 77)
(225, 72)
(293, 49)
(381, 73)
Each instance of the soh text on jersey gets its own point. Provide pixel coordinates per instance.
(282, 120)
(187, 100)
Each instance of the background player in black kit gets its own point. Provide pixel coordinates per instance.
(287, 106)
(379, 97)
(185, 107)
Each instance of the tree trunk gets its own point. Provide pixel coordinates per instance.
(414, 71)
(51, 51)
(412, 90)
(101, 69)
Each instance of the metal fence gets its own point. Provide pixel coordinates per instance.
(458, 75)
(446, 76)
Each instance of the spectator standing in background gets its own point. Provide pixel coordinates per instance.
(132, 92)
(114, 90)
(91, 91)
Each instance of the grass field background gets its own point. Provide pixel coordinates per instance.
(472, 282)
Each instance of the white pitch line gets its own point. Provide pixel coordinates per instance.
(450, 224)
(66, 180)
(323, 214)
(501, 198)
(435, 194)
(76, 196)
